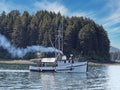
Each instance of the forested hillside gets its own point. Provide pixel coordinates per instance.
(114, 53)
(82, 36)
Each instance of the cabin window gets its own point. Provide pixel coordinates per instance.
(65, 61)
(56, 64)
(72, 61)
(69, 61)
(43, 64)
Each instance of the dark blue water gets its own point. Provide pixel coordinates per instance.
(18, 77)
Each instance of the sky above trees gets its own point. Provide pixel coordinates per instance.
(103, 12)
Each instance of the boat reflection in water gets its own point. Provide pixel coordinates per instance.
(57, 81)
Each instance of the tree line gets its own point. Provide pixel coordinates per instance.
(82, 36)
(115, 56)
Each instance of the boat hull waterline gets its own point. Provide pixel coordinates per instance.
(75, 67)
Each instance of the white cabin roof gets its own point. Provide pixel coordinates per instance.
(48, 59)
(43, 60)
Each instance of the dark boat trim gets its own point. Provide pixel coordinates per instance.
(43, 70)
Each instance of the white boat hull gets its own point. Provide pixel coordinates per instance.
(75, 67)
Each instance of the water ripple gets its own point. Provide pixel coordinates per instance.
(98, 78)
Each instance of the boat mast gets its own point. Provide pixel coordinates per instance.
(62, 36)
(59, 35)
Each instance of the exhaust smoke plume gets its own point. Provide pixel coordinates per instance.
(20, 52)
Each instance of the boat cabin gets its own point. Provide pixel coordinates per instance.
(45, 61)
(52, 61)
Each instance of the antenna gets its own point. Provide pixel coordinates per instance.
(62, 35)
(59, 34)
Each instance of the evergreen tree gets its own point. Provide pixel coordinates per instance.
(82, 36)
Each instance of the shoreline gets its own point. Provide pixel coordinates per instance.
(32, 63)
(105, 64)
(17, 62)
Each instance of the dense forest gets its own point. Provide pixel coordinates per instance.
(82, 36)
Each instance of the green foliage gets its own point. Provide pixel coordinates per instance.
(4, 54)
(82, 36)
(29, 56)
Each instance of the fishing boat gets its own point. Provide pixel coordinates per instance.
(59, 63)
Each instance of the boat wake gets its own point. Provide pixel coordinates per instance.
(14, 70)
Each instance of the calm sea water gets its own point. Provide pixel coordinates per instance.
(18, 77)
